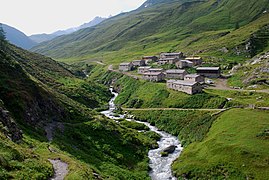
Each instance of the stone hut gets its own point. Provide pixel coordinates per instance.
(142, 70)
(126, 67)
(196, 60)
(153, 70)
(168, 61)
(154, 76)
(175, 74)
(184, 64)
(184, 86)
(139, 63)
(210, 72)
(194, 78)
(178, 55)
(149, 59)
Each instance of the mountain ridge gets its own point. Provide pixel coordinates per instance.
(38, 38)
(17, 37)
(150, 3)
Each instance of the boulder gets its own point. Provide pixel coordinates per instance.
(168, 150)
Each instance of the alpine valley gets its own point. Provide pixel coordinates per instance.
(54, 98)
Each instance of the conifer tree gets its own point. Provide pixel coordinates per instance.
(3, 41)
(2, 33)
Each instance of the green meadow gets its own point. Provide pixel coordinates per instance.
(236, 147)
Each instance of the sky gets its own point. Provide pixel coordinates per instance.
(47, 16)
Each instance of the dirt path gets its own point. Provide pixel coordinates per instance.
(168, 109)
(99, 62)
(60, 169)
(222, 84)
(263, 91)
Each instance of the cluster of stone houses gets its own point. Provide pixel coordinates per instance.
(177, 79)
(179, 60)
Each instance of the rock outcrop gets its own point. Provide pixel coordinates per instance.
(10, 128)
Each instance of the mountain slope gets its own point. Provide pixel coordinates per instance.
(150, 3)
(36, 93)
(38, 38)
(17, 37)
(164, 26)
(235, 148)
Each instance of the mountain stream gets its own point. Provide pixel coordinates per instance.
(160, 166)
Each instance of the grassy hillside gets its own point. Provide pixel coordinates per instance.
(25, 98)
(19, 162)
(192, 27)
(242, 98)
(36, 91)
(235, 148)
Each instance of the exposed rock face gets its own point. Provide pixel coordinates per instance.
(41, 110)
(259, 75)
(10, 129)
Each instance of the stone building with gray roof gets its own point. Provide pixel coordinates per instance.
(210, 72)
(194, 78)
(175, 74)
(126, 66)
(178, 55)
(154, 76)
(184, 86)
